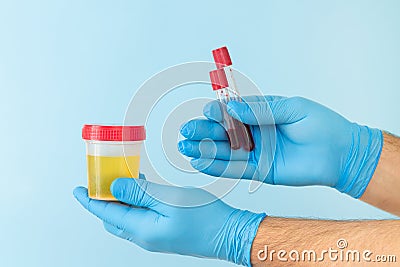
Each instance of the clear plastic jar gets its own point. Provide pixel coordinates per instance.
(112, 152)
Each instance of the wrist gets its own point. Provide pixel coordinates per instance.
(238, 233)
(360, 163)
(382, 191)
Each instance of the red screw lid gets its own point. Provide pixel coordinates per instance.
(113, 133)
(221, 57)
(218, 79)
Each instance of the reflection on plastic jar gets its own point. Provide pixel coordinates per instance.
(112, 152)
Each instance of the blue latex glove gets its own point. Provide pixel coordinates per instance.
(214, 230)
(313, 144)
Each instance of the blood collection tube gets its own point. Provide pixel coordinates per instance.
(239, 136)
(219, 84)
(223, 62)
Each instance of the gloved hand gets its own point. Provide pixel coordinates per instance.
(297, 142)
(213, 230)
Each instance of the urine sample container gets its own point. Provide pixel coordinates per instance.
(111, 152)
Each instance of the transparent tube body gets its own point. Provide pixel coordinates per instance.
(239, 134)
(108, 160)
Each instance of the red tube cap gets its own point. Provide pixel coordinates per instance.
(113, 133)
(218, 79)
(222, 57)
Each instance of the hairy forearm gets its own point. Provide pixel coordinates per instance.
(290, 242)
(384, 187)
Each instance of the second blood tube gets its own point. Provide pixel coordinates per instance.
(238, 133)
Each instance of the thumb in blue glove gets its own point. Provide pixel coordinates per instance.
(212, 230)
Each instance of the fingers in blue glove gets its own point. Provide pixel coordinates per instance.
(263, 111)
(113, 212)
(211, 150)
(180, 230)
(282, 111)
(212, 110)
(228, 169)
(199, 129)
(134, 192)
(116, 231)
(138, 237)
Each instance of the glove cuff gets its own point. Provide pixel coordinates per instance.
(362, 160)
(241, 229)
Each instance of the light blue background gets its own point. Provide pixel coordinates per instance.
(66, 63)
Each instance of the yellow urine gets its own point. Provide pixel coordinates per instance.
(102, 171)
